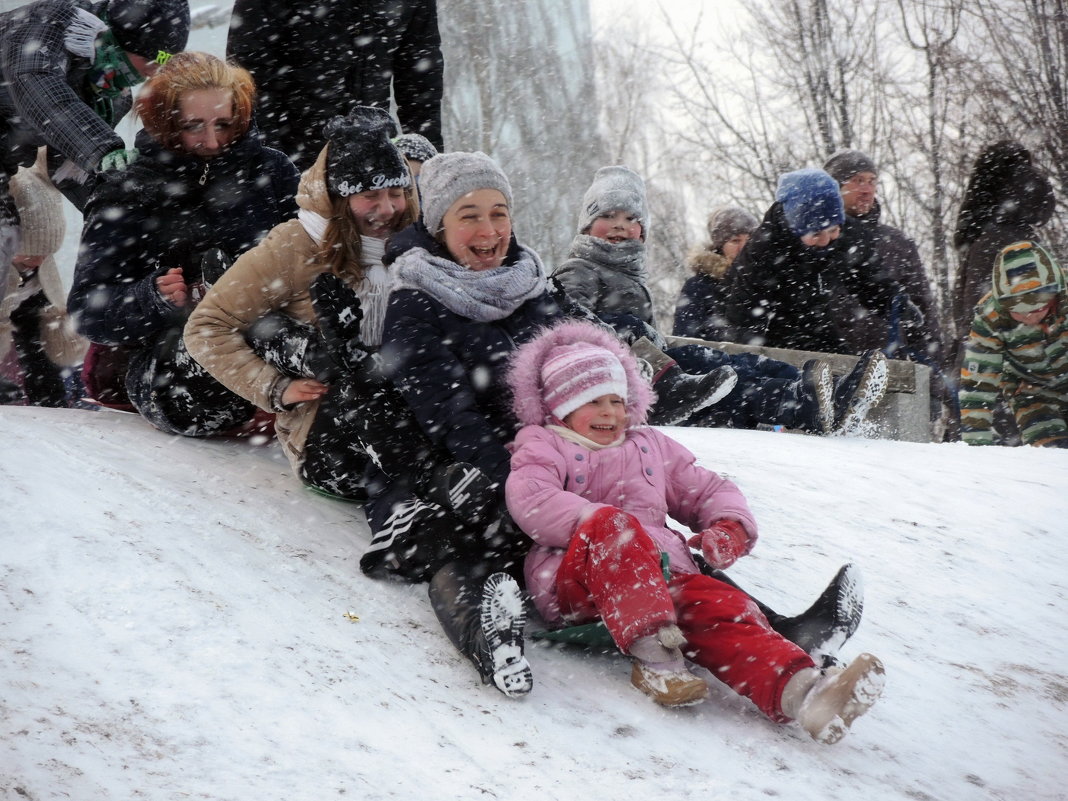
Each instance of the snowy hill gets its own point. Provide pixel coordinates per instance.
(178, 620)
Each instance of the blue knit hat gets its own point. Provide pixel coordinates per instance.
(810, 200)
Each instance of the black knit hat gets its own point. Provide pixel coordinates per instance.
(844, 164)
(360, 156)
(146, 27)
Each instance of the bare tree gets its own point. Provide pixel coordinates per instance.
(519, 86)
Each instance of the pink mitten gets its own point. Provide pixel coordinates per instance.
(722, 543)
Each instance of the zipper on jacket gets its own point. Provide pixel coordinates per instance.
(204, 176)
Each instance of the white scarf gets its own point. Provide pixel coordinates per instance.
(373, 290)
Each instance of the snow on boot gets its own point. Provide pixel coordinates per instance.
(859, 392)
(823, 628)
(825, 703)
(669, 687)
(817, 397)
(660, 671)
(462, 489)
(502, 618)
(338, 312)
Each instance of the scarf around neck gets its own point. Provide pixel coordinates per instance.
(480, 295)
(627, 257)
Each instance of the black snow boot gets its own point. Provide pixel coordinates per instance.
(816, 398)
(338, 311)
(860, 391)
(823, 628)
(484, 619)
(10, 392)
(680, 395)
(460, 488)
(42, 379)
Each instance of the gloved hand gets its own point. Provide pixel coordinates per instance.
(118, 159)
(722, 543)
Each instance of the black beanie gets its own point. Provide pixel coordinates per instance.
(146, 27)
(360, 156)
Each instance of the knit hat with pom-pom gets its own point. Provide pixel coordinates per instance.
(146, 27)
(576, 374)
(360, 156)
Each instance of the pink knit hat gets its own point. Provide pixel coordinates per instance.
(576, 374)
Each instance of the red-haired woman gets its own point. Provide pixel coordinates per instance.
(202, 191)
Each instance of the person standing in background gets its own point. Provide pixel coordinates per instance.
(315, 60)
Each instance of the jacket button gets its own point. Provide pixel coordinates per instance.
(648, 471)
(645, 449)
(579, 456)
(580, 479)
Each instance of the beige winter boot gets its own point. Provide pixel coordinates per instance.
(825, 703)
(660, 669)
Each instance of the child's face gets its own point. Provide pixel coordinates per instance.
(478, 229)
(1023, 313)
(616, 227)
(602, 420)
(378, 212)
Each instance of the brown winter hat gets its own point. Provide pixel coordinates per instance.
(725, 222)
(40, 207)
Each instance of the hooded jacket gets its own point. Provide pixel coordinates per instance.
(607, 277)
(699, 311)
(276, 275)
(556, 483)
(1003, 357)
(783, 294)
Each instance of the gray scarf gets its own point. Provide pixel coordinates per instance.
(480, 295)
(627, 257)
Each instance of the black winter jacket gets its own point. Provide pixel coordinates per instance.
(313, 60)
(165, 211)
(900, 263)
(451, 369)
(785, 295)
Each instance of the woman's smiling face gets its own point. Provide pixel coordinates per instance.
(478, 229)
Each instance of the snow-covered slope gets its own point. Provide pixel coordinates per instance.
(180, 619)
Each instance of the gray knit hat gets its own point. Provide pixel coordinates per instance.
(725, 222)
(41, 212)
(613, 189)
(415, 147)
(447, 177)
(844, 164)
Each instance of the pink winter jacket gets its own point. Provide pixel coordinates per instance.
(555, 484)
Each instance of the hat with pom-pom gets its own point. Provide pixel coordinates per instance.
(576, 374)
(360, 156)
(415, 147)
(811, 201)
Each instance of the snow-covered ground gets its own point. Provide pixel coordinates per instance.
(180, 619)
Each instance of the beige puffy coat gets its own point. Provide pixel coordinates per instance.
(273, 276)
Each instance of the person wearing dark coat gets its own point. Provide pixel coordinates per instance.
(67, 79)
(203, 190)
(809, 278)
(699, 309)
(314, 60)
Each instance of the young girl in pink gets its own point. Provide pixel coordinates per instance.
(593, 486)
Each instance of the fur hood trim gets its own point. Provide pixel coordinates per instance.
(524, 375)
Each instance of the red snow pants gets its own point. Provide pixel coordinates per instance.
(611, 571)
